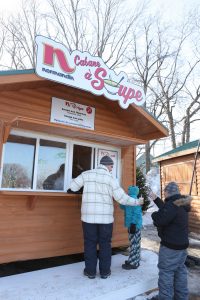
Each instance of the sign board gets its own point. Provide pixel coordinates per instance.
(112, 154)
(71, 113)
(84, 71)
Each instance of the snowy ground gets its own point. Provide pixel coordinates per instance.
(67, 282)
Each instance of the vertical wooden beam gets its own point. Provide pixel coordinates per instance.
(6, 132)
(1, 138)
(134, 165)
(128, 166)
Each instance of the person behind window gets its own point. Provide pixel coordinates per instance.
(99, 189)
(133, 221)
(171, 221)
(55, 181)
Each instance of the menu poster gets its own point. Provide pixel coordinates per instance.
(73, 114)
(112, 154)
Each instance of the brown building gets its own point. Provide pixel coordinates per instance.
(39, 157)
(178, 165)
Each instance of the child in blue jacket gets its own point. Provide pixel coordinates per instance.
(133, 221)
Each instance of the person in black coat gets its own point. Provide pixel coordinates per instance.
(55, 181)
(171, 221)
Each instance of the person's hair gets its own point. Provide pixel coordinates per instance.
(61, 168)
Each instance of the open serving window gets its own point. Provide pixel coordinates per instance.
(39, 162)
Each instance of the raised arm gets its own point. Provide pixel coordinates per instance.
(120, 196)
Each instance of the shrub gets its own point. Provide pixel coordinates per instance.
(143, 187)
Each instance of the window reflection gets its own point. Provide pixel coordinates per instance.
(18, 162)
(51, 165)
(81, 159)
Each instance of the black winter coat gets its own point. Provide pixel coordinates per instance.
(171, 221)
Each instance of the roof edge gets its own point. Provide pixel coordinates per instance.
(17, 72)
(178, 153)
(152, 119)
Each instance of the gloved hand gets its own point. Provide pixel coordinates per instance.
(152, 195)
(141, 201)
(132, 228)
(70, 191)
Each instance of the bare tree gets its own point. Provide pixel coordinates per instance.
(146, 57)
(171, 82)
(20, 36)
(191, 112)
(100, 27)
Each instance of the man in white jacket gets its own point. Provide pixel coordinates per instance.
(99, 189)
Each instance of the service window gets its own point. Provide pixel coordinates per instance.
(82, 160)
(34, 161)
(18, 163)
(51, 165)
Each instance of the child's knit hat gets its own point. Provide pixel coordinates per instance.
(133, 190)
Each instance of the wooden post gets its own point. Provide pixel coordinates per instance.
(195, 161)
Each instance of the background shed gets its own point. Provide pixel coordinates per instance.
(177, 165)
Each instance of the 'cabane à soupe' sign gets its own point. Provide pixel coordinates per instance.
(86, 72)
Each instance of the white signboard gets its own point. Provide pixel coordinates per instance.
(71, 113)
(112, 154)
(84, 71)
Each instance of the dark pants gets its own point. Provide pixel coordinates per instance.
(97, 234)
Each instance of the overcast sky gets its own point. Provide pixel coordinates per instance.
(171, 8)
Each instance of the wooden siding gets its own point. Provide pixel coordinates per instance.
(37, 226)
(180, 169)
(36, 104)
(46, 226)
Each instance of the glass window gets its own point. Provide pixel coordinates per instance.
(82, 160)
(51, 165)
(36, 163)
(18, 162)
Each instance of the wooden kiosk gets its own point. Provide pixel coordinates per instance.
(38, 222)
(178, 165)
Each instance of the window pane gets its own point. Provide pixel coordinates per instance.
(18, 162)
(51, 165)
(81, 160)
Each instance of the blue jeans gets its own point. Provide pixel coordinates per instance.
(172, 280)
(97, 234)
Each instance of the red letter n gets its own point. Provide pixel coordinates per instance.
(49, 56)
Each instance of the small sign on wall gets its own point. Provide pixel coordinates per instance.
(112, 154)
(72, 114)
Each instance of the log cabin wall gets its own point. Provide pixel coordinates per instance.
(38, 226)
(180, 169)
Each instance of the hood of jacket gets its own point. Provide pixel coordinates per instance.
(133, 191)
(103, 167)
(180, 200)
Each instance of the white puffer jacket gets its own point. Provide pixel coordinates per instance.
(99, 190)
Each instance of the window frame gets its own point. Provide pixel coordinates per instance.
(70, 142)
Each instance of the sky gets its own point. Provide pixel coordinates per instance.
(171, 10)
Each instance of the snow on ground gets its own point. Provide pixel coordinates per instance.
(67, 282)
